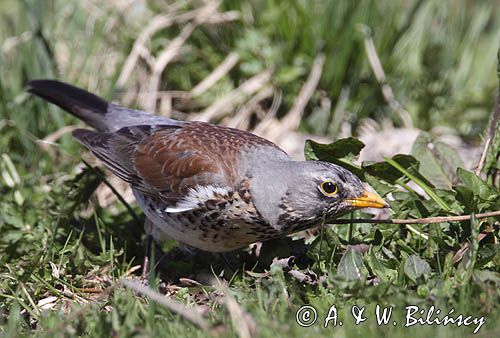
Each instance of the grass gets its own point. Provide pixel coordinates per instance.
(62, 254)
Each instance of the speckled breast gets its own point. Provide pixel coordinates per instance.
(221, 224)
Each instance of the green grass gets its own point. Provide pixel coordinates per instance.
(57, 241)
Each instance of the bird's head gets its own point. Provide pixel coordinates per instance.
(316, 190)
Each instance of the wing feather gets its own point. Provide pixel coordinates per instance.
(170, 161)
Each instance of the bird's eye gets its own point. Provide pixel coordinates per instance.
(328, 188)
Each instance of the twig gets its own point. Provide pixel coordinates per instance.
(292, 119)
(182, 310)
(428, 220)
(378, 71)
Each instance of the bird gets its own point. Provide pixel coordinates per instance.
(210, 187)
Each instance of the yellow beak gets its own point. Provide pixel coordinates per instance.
(369, 200)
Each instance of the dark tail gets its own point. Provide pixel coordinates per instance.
(80, 103)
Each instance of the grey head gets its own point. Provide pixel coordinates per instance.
(289, 194)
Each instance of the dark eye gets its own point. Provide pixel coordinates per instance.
(328, 188)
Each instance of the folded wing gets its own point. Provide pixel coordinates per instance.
(170, 161)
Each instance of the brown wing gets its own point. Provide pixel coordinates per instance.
(196, 154)
(168, 160)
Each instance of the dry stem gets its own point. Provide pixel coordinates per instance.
(226, 103)
(379, 73)
(189, 314)
(229, 62)
(428, 220)
(292, 119)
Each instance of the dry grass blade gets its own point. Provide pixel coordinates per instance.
(57, 134)
(229, 62)
(480, 165)
(378, 71)
(157, 23)
(270, 116)
(205, 14)
(163, 59)
(490, 134)
(292, 119)
(182, 310)
(241, 119)
(9, 44)
(243, 323)
(48, 142)
(226, 103)
(208, 14)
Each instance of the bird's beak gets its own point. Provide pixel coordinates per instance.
(368, 200)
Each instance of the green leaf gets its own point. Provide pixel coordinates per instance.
(386, 171)
(422, 183)
(378, 268)
(474, 245)
(478, 187)
(438, 160)
(487, 253)
(466, 197)
(340, 152)
(351, 265)
(331, 152)
(415, 267)
(380, 187)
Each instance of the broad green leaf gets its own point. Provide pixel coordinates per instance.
(438, 161)
(487, 276)
(330, 152)
(422, 183)
(415, 267)
(351, 265)
(487, 252)
(378, 268)
(380, 187)
(478, 187)
(386, 171)
(340, 152)
(466, 197)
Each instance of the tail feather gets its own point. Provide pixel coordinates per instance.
(80, 103)
(92, 109)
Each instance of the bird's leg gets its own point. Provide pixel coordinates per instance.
(149, 245)
(147, 255)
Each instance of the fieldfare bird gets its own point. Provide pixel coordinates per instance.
(210, 187)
